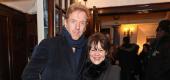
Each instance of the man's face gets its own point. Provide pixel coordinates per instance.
(76, 24)
(159, 33)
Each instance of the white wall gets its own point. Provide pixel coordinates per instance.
(145, 30)
(40, 20)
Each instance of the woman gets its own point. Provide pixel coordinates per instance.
(144, 58)
(98, 66)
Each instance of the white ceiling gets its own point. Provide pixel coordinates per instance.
(25, 6)
(30, 7)
(112, 3)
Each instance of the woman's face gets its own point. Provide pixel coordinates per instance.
(97, 53)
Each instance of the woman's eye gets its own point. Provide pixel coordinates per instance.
(93, 50)
(101, 50)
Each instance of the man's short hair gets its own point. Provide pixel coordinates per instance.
(164, 25)
(77, 6)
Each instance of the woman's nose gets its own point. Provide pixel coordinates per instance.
(96, 53)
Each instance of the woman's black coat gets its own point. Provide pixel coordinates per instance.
(104, 71)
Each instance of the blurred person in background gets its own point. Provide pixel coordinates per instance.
(158, 67)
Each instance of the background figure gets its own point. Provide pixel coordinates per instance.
(61, 57)
(113, 53)
(158, 67)
(143, 57)
(98, 66)
(128, 59)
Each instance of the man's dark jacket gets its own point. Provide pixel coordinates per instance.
(158, 67)
(51, 60)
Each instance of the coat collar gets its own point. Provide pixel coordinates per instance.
(69, 55)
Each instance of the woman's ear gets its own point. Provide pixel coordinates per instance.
(106, 53)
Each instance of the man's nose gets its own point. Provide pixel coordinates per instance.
(78, 25)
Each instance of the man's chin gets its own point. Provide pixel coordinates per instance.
(75, 38)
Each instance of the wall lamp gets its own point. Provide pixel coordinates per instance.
(128, 29)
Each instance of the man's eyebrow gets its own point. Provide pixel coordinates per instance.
(78, 20)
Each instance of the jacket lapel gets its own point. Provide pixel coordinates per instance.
(82, 60)
(67, 51)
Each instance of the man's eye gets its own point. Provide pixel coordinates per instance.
(73, 21)
(83, 22)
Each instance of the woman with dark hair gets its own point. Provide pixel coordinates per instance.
(98, 66)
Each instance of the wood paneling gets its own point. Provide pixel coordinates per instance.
(4, 52)
(16, 28)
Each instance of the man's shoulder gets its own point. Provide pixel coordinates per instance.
(53, 40)
(56, 38)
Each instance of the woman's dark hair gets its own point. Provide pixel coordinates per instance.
(96, 38)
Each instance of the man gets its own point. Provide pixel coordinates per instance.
(158, 67)
(62, 57)
(128, 59)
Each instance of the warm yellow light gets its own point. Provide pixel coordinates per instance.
(128, 28)
(125, 29)
(132, 28)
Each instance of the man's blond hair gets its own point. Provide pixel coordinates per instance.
(75, 7)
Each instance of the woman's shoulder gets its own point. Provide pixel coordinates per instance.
(112, 73)
(114, 68)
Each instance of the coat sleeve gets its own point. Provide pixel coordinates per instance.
(37, 63)
(164, 70)
(112, 73)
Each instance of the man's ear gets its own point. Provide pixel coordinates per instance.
(65, 22)
(85, 29)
